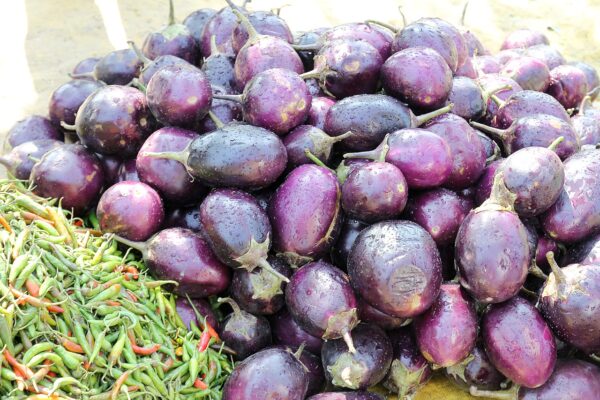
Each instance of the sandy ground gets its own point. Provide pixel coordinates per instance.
(41, 40)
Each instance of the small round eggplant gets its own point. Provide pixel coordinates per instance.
(487, 65)
(467, 70)
(259, 291)
(526, 103)
(305, 214)
(69, 173)
(409, 369)
(396, 267)
(317, 114)
(418, 76)
(183, 217)
(114, 120)
(568, 85)
(195, 311)
(179, 95)
(501, 87)
(221, 26)
(467, 98)
(453, 33)
(568, 302)
(357, 31)
(151, 67)
(518, 342)
(265, 23)
(244, 333)
(132, 210)
(476, 371)
(185, 257)
(571, 379)
(474, 45)
(587, 129)
(110, 167)
(348, 233)
(374, 192)
(530, 73)
(85, 66)
(440, 212)
(34, 127)
(218, 68)
(523, 38)
(446, 333)
(320, 299)
(361, 369)
(584, 252)
(492, 253)
(20, 160)
(272, 373)
(127, 172)
(68, 97)
(287, 332)
(483, 187)
(368, 313)
(118, 67)
(313, 139)
(196, 20)
(221, 112)
(548, 54)
(591, 75)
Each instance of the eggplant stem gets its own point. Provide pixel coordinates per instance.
(82, 75)
(339, 138)
(501, 195)
(402, 15)
(555, 143)
(464, 13)
(214, 49)
(559, 275)
(421, 119)
(298, 352)
(252, 32)
(377, 154)
(171, 13)
(68, 127)
(264, 264)
(537, 271)
(510, 394)
(585, 104)
(314, 74)
(315, 159)
(497, 100)
(139, 246)
(238, 98)
(180, 156)
(216, 120)
(306, 47)
(385, 25)
(348, 339)
(236, 308)
(138, 53)
(499, 134)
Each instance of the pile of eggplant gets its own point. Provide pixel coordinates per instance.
(352, 206)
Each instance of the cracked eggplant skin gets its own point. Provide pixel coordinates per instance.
(571, 308)
(447, 332)
(370, 362)
(396, 267)
(571, 379)
(238, 155)
(273, 373)
(305, 214)
(576, 214)
(518, 342)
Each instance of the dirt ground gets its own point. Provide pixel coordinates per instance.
(41, 40)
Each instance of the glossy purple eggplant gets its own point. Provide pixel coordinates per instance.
(196, 21)
(85, 66)
(183, 217)
(530, 73)
(195, 311)
(127, 172)
(527, 103)
(221, 26)
(476, 371)
(483, 187)
(571, 379)
(522, 38)
(348, 232)
(568, 85)
(265, 23)
(546, 53)
(67, 98)
(20, 160)
(34, 127)
(287, 332)
(318, 111)
(503, 87)
(467, 98)
(312, 138)
(218, 68)
(370, 315)
(118, 67)
(222, 112)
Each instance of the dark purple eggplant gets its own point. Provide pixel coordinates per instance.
(256, 161)
(114, 120)
(568, 85)
(467, 98)
(85, 66)
(218, 68)
(522, 38)
(110, 167)
(440, 212)
(273, 373)
(568, 302)
(395, 266)
(132, 210)
(151, 67)
(221, 112)
(320, 299)
(304, 213)
(221, 26)
(483, 187)
(20, 160)
(348, 233)
(68, 97)
(518, 342)
(118, 67)
(127, 172)
(409, 369)
(360, 369)
(313, 139)
(196, 21)
(245, 333)
(34, 127)
(369, 314)
(259, 291)
(315, 372)
(492, 253)
(318, 111)
(286, 331)
(265, 23)
(446, 333)
(348, 165)
(477, 371)
(571, 379)
(71, 174)
(195, 311)
(184, 217)
(584, 252)
(502, 88)
(169, 177)
(238, 230)
(184, 257)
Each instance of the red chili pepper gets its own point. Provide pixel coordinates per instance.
(72, 346)
(142, 351)
(198, 384)
(113, 303)
(204, 341)
(32, 287)
(212, 331)
(20, 369)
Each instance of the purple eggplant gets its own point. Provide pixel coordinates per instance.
(568, 85)
(467, 151)
(522, 38)
(173, 39)
(467, 70)
(310, 39)
(492, 253)
(314, 372)
(584, 252)
(34, 127)
(474, 45)
(571, 379)
(307, 137)
(69, 173)
(374, 192)
(320, 299)
(369, 314)
(548, 54)
(446, 333)
(244, 333)
(453, 33)
(196, 21)
(222, 112)
(348, 165)
(287, 332)
(492, 150)
(118, 67)
(487, 65)
(467, 98)
(195, 311)
(395, 266)
(110, 167)
(409, 369)
(259, 291)
(355, 114)
(587, 128)
(184, 256)
(276, 99)
(179, 95)
(539, 130)
(568, 303)
(418, 76)
(527, 103)
(483, 187)
(304, 213)
(256, 161)
(502, 87)
(353, 395)
(348, 233)
(114, 120)
(238, 230)
(151, 67)
(545, 244)
(184, 217)
(262, 52)
(360, 369)
(67, 98)
(440, 212)
(530, 73)
(265, 23)
(169, 177)
(518, 342)
(85, 66)
(127, 172)
(272, 373)
(576, 214)
(318, 111)
(221, 26)
(218, 68)
(20, 160)
(591, 75)
(132, 210)
(476, 371)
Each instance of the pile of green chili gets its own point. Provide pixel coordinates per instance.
(81, 320)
